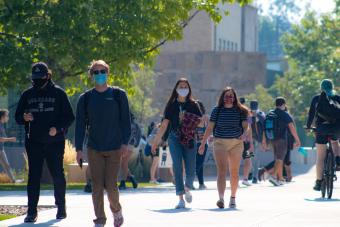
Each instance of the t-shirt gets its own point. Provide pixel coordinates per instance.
(2, 134)
(172, 113)
(228, 124)
(284, 120)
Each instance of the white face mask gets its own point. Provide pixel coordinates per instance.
(183, 92)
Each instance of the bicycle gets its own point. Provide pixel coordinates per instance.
(329, 170)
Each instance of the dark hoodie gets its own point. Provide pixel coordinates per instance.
(50, 107)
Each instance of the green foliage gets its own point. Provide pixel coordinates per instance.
(265, 100)
(69, 34)
(5, 217)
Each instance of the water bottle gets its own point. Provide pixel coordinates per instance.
(303, 151)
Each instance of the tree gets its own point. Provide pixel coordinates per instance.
(68, 34)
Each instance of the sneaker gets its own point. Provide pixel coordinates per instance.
(188, 197)
(254, 181)
(88, 187)
(273, 181)
(122, 185)
(260, 174)
(246, 182)
(31, 218)
(281, 182)
(98, 225)
(133, 180)
(202, 187)
(180, 205)
(220, 203)
(232, 203)
(154, 182)
(317, 186)
(61, 213)
(118, 219)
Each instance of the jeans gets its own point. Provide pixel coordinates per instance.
(104, 169)
(200, 163)
(179, 153)
(53, 153)
(6, 166)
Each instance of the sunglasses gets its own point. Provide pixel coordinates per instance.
(96, 72)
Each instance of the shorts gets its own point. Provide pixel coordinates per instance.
(246, 153)
(155, 155)
(279, 148)
(228, 145)
(322, 139)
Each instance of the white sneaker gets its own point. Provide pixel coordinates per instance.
(273, 181)
(154, 182)
(246, 183)
(281, 182)
(180, 205)
(188, 197)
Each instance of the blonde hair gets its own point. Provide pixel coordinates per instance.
(98, 62)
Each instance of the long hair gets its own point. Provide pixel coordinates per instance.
(174, 94)
(240, 107)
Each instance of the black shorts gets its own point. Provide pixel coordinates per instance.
(246, 147)
(322, 139)
(155, 155)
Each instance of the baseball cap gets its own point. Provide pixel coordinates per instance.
(39, 70)
(254, 105)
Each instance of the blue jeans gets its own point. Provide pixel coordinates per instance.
(179, 153)
(200, 163)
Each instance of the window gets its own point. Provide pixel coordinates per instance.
(219, 44)
(224, 46)
(232, 46)
(228, 45)
(235, 46)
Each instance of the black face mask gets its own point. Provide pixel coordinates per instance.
(39, 83)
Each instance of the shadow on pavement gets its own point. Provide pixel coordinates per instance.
(172, 211)
(322, 200)
(220, 210)
(44, 224)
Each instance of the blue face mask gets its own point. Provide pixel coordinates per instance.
(100, 79)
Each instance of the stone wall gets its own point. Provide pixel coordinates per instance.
(208, 73)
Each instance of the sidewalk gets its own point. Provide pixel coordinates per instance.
(261, 205)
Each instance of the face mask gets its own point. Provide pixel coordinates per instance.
(39, 83)
(228, 99)
(100, 79)
(183, 92)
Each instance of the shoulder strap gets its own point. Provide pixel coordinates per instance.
(86, 103)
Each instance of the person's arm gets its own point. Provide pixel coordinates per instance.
(208, 132)
(66, 116)
(7, 139)
(292, 129)
(80, 124)
(20, 111)
(125, 121)
(159, 135)
(311, 112)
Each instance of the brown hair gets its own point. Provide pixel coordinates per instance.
(98, 62)
(240, 107)
(3, 112)
(174, 94)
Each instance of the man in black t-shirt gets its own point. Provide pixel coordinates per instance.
(279, 143)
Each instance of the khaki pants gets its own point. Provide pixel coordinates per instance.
(104, 168)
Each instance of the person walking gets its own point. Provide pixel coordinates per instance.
(46, 112)
(277, 124)
(103, 113)
(183, 114)
(3, 139)
(229, 125)
(201, 157)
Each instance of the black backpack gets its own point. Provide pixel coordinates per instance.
(272, 126)
(115, 94)
(327, 108)
(257, 127)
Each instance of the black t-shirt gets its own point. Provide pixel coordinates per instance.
(284, 120)
(173, 111)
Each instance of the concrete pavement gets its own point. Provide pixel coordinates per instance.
(261, 205)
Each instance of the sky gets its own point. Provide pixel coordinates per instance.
(321, 6)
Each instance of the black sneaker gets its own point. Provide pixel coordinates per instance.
(254, 181)
(260, 174)
(88, 187)
(30, 218)
(61, 214)
(317, 186)
(122, 185)
(133, 180)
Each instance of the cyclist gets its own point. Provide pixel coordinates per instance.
(320, 139)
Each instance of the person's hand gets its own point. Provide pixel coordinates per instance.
(201, 149)
(12, 139)
(28, 117)
(243, 137)
(297, 144)
(154, 147)
(79, 156)
(124, 149)
(53, 131)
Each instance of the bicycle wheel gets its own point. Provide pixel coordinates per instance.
(330, 174)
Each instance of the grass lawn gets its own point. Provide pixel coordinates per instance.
(70, 186)
(4, 217)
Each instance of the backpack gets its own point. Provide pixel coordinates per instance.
(115, 94)
(257, 126)
(327, 108)
(136, 134)
(271, 126)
